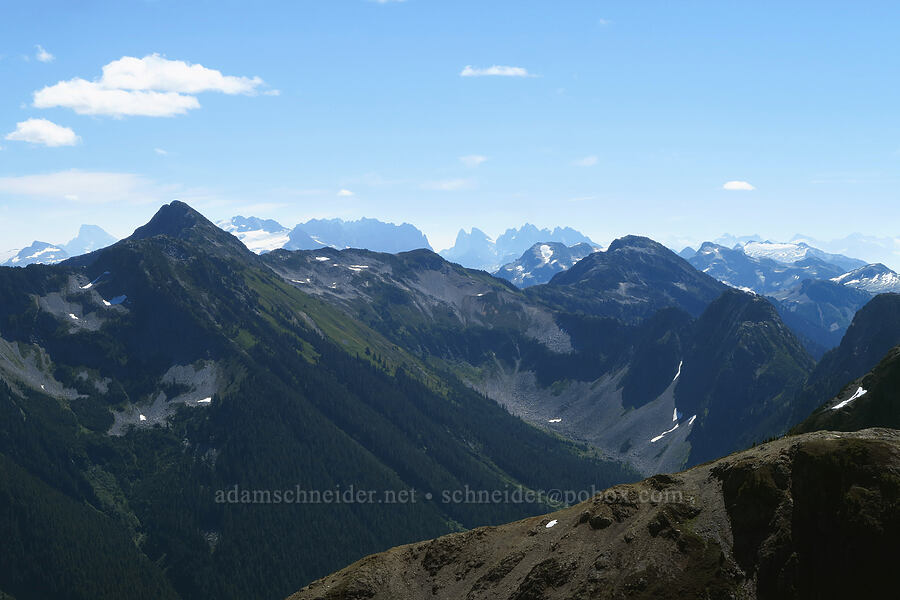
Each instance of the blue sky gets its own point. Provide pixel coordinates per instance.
(611, 117)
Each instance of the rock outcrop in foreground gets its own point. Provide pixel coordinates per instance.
(809, 516)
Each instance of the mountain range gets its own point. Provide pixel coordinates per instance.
(141, 380)
(89, 238)
(144, 382)
(594, 355)
(869, 249)
(265, 235)
(475, 250)
(749, 525)
(541, 262)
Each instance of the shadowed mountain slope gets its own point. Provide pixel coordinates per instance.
(747, 526)
(146, 378)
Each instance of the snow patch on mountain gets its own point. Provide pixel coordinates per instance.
(859, 393)
(875, 278)
(782, 252)
(663, 434)
(542, 261)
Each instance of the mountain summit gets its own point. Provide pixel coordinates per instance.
(179, 221)
(89, 238)
(634, 277)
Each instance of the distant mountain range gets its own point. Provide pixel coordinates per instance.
(870, 249)
(528, 256)
(89, 238)
(759, 272)
(476, 250)
(265, 235)
(816, 292)
(598, 354)
(473, 250)
(876, 279)
(790, 253)
(542, 261)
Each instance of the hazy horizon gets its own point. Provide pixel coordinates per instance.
(673, 242)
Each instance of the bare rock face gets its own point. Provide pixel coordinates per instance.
(810, 516)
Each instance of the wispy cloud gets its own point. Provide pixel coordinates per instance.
(344, 193)
(91, 187)
(738, 186)
(473, 160)
(447, 185)
(587, 161)
(160, 151)
(42, 131)
(495, 71)
(152, 86)
(42, 55)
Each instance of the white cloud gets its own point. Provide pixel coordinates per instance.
(42, 131)
(160, 74)
(160, 151)
(495, 70)
(152, 86)
(472, 160)
(447, 185)
(91, 98)
(587, 161)
(741, 186)
(345, 193)
(42, 55)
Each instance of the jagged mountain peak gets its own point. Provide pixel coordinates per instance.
(542, 261)
(174, 219)
(625, 253)
(178, 221)
(89, 238)
(474, 232)
(874, 278)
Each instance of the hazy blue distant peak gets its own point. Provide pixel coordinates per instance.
(367, 233)
(730, 241)
(477, 250)
(244, 224)
(89, 238)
